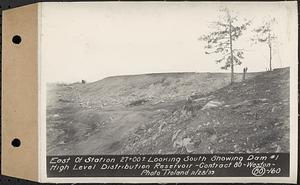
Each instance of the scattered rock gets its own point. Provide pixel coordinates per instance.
(175, 135)
(263, 99)
(226, 134)
(249, 102)
(200, 99)
(229, 91)
(236, 148)
(213, 138)
(278, 123)
(55, 115)
(212, 104)
(189, 146)
(161, 126)
(177, 143)
(61, 142)
(199, 127)
(278, 149)
(211, 97)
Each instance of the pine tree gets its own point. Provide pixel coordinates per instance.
(265, 34)
(220, 42)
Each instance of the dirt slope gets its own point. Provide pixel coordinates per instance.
(247, 117)
(153, 88)
(169, 113)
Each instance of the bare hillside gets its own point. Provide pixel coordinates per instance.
(151, 88)
(247, 117)
(170, 113)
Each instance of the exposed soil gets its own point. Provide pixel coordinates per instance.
(170, 113)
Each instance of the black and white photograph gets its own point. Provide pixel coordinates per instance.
(168, 78)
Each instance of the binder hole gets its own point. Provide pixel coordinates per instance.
(16, 142)
(16, 39)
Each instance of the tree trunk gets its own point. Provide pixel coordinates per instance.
(270, 47)
(231, 54)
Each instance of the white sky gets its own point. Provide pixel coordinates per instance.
(92, 41)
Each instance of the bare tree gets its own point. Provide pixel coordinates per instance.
(227, 30)
(265, 34)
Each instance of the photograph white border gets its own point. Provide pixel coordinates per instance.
(293, 132)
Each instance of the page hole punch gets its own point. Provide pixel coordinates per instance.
(16, 142)
(16, 39)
